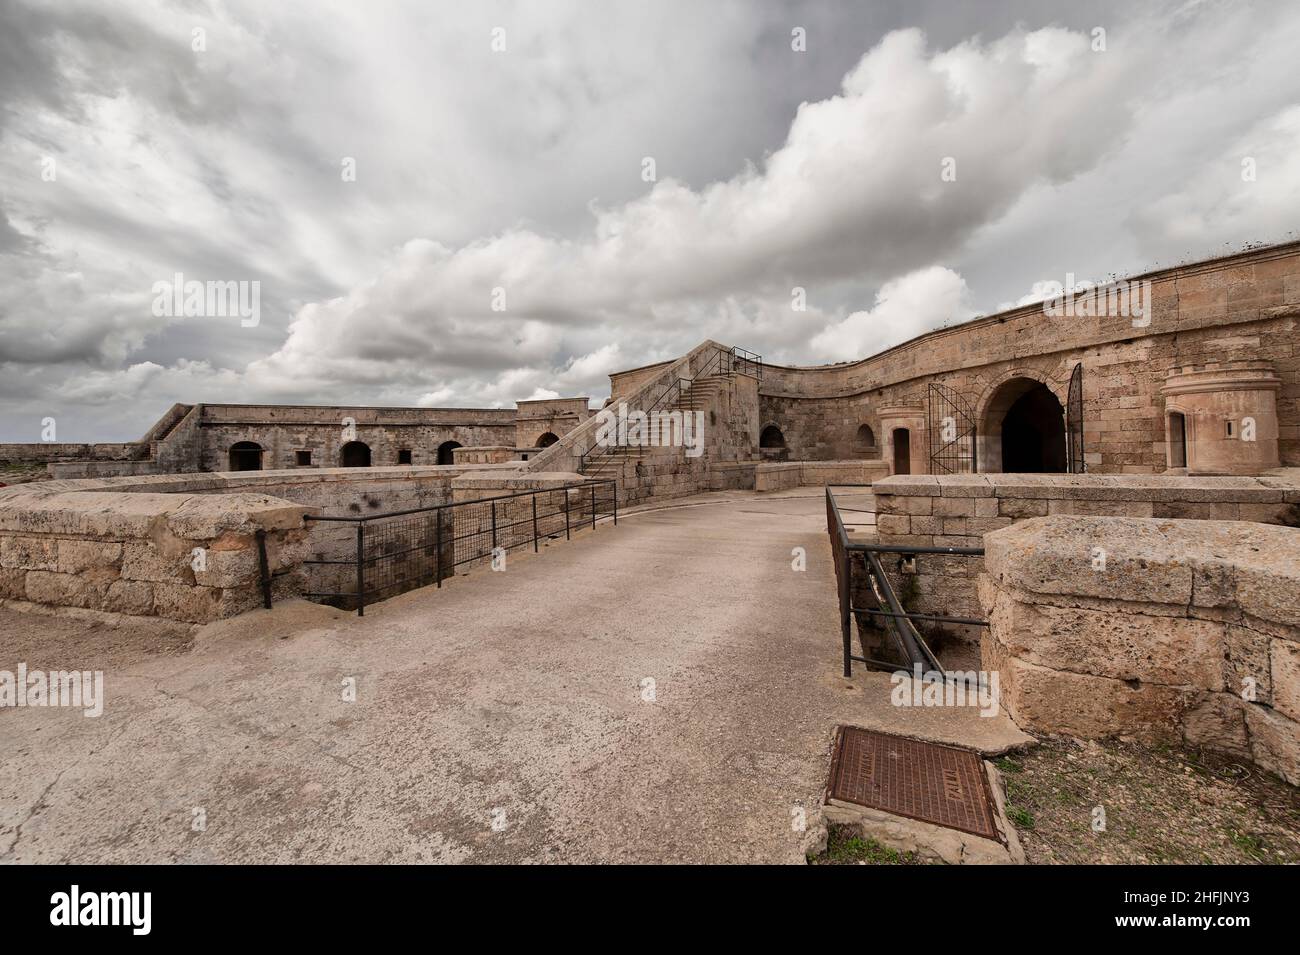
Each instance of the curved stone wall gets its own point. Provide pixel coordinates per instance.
(1241, 308)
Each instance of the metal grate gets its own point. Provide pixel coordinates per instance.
(930, 782)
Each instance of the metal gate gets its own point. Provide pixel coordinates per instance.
(1074, 423)
(951, 431)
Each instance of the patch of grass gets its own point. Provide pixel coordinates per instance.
(846, 845)
(1250, 844)
(1020, 818)
(1159, 804)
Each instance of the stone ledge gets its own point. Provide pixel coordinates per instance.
(1207, 564)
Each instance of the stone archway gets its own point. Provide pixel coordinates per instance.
(245, 456)
(355, 454)
(771, 437)
(547, 439)
(1022, 429)
(446, 452)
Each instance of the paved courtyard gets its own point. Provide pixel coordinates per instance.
(504, 718)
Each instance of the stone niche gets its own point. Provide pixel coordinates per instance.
(902, 439)
(1163, 630)
(1221, 418)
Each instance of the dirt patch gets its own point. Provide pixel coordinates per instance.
(56, 642)
(1161, 805)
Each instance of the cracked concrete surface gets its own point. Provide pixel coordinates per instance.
(500, 719)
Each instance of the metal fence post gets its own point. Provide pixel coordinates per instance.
(437, 536)
(615, 483)
(846, 630)
(534, 523)
(567, 499)
(593, 507)
(494, 524)
(361, 568)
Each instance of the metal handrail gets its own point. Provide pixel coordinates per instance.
(901, 621)
(361, 560)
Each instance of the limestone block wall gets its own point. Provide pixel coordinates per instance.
(792, 474)
(1241, 308)
(1187, 632)
(135, 554)
(958, 510)
(283, 430)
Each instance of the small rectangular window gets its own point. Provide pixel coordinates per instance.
(403, 455)
(1230, 429)
(303, 458)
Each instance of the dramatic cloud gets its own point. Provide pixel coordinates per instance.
(498, 241)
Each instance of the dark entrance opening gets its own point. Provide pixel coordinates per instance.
(1177, 440)
(355, 454)
(546, 440)
(771, 437)
(445, 450)
(1033, 433)
(246, 456)
(902, 451)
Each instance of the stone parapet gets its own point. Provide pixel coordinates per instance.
(1163, 630)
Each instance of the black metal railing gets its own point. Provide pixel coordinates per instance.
(870, 571)
(720, 362)
(373, 557)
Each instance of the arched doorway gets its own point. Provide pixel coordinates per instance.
(1024, 429)
(355, 454)
(771, 437)
(902, 438)
(864, 442)
(445, 455)
(245, 456)
(1177, 431)
(546, 440)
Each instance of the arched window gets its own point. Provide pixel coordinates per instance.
(245, 456)
(771, 437)
(355, 454)
(866, 437)
(445, 450)
(546, 440)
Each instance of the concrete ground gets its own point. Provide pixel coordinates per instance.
(504, 718)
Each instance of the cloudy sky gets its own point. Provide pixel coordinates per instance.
(451, 204)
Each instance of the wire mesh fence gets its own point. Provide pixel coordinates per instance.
(361, 560)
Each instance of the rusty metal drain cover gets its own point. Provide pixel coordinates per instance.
(931, 782)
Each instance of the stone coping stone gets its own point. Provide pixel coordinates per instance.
(1187, 563)
(222, 480)
(119, 516)
(1273, 488)
(517, 481)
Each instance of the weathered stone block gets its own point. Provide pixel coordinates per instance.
(29, 553)
(64, 590)
(78, 556)
(1217, 721)
(1285, 672)
(1274, 742)
(187, 603)
(147, 561)
(129, 596)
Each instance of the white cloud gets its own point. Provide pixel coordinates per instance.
(905, 307)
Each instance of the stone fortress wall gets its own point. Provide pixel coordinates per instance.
(1221, 345)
